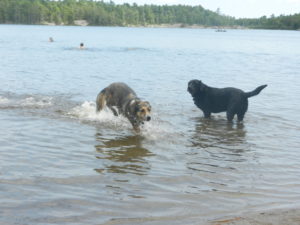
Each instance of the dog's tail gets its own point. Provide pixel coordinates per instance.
(100, 101)
(255, 92)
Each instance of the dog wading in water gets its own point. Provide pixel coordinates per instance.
(231, 100)
(121, 99)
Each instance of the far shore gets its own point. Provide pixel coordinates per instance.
(166, 25)
(194, 26)
(272, 217)
(177, 25)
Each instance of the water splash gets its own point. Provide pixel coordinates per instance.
(12, 101)
(86, 112)
(4, 100)
(156, 129)
(36, 102)
(61, 107)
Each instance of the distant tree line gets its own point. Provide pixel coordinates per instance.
(99, 13)
(282, 22)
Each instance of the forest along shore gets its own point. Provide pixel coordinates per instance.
(99, 13)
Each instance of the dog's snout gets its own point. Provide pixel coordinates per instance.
(148, 118)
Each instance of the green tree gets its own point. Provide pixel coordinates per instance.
(110, 14)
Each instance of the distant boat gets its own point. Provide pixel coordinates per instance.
(221, 30)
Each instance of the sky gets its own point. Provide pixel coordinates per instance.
(236, 8)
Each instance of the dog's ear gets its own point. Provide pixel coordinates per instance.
(132, 102)
(132, 107)
(136, 106)
(147, 103)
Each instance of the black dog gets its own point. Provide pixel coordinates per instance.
(126, 102)
(214, 100)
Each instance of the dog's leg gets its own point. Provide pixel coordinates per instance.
(240, 117)
(135, 125)
(242, 111)
(137, 129)
(114, 111)
(230, 115)
(100, 101)
(206, 114)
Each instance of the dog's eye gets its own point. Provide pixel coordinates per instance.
(142, 110)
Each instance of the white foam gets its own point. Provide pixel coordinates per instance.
(87, 112)
(4, 100)
(153, 130)
(31, 101)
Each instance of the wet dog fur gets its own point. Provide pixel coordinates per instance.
(231, 100)
(121, 99)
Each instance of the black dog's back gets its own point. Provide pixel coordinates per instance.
(218, 99)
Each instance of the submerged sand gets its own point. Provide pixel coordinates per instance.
(275, 217)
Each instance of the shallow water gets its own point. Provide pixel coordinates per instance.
(62, 163)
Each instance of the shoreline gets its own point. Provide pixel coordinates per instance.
(271, 217)
(193, 26)
(84, 23)
(176, 26)
(184, 26)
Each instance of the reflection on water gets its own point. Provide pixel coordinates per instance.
(124, 154)
(218, 133)
(217, 145)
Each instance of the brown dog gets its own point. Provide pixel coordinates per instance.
(121, 99)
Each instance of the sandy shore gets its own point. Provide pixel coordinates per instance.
(276, 217)
(166, 25)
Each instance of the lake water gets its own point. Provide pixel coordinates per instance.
(61, 163)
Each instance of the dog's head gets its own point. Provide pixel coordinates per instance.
(142, 110)
(196, 87)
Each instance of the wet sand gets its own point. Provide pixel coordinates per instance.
(275, 217)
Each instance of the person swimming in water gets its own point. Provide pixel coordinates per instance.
(81, 46)
(51, 39)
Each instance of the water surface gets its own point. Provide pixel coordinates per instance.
(62, 163)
